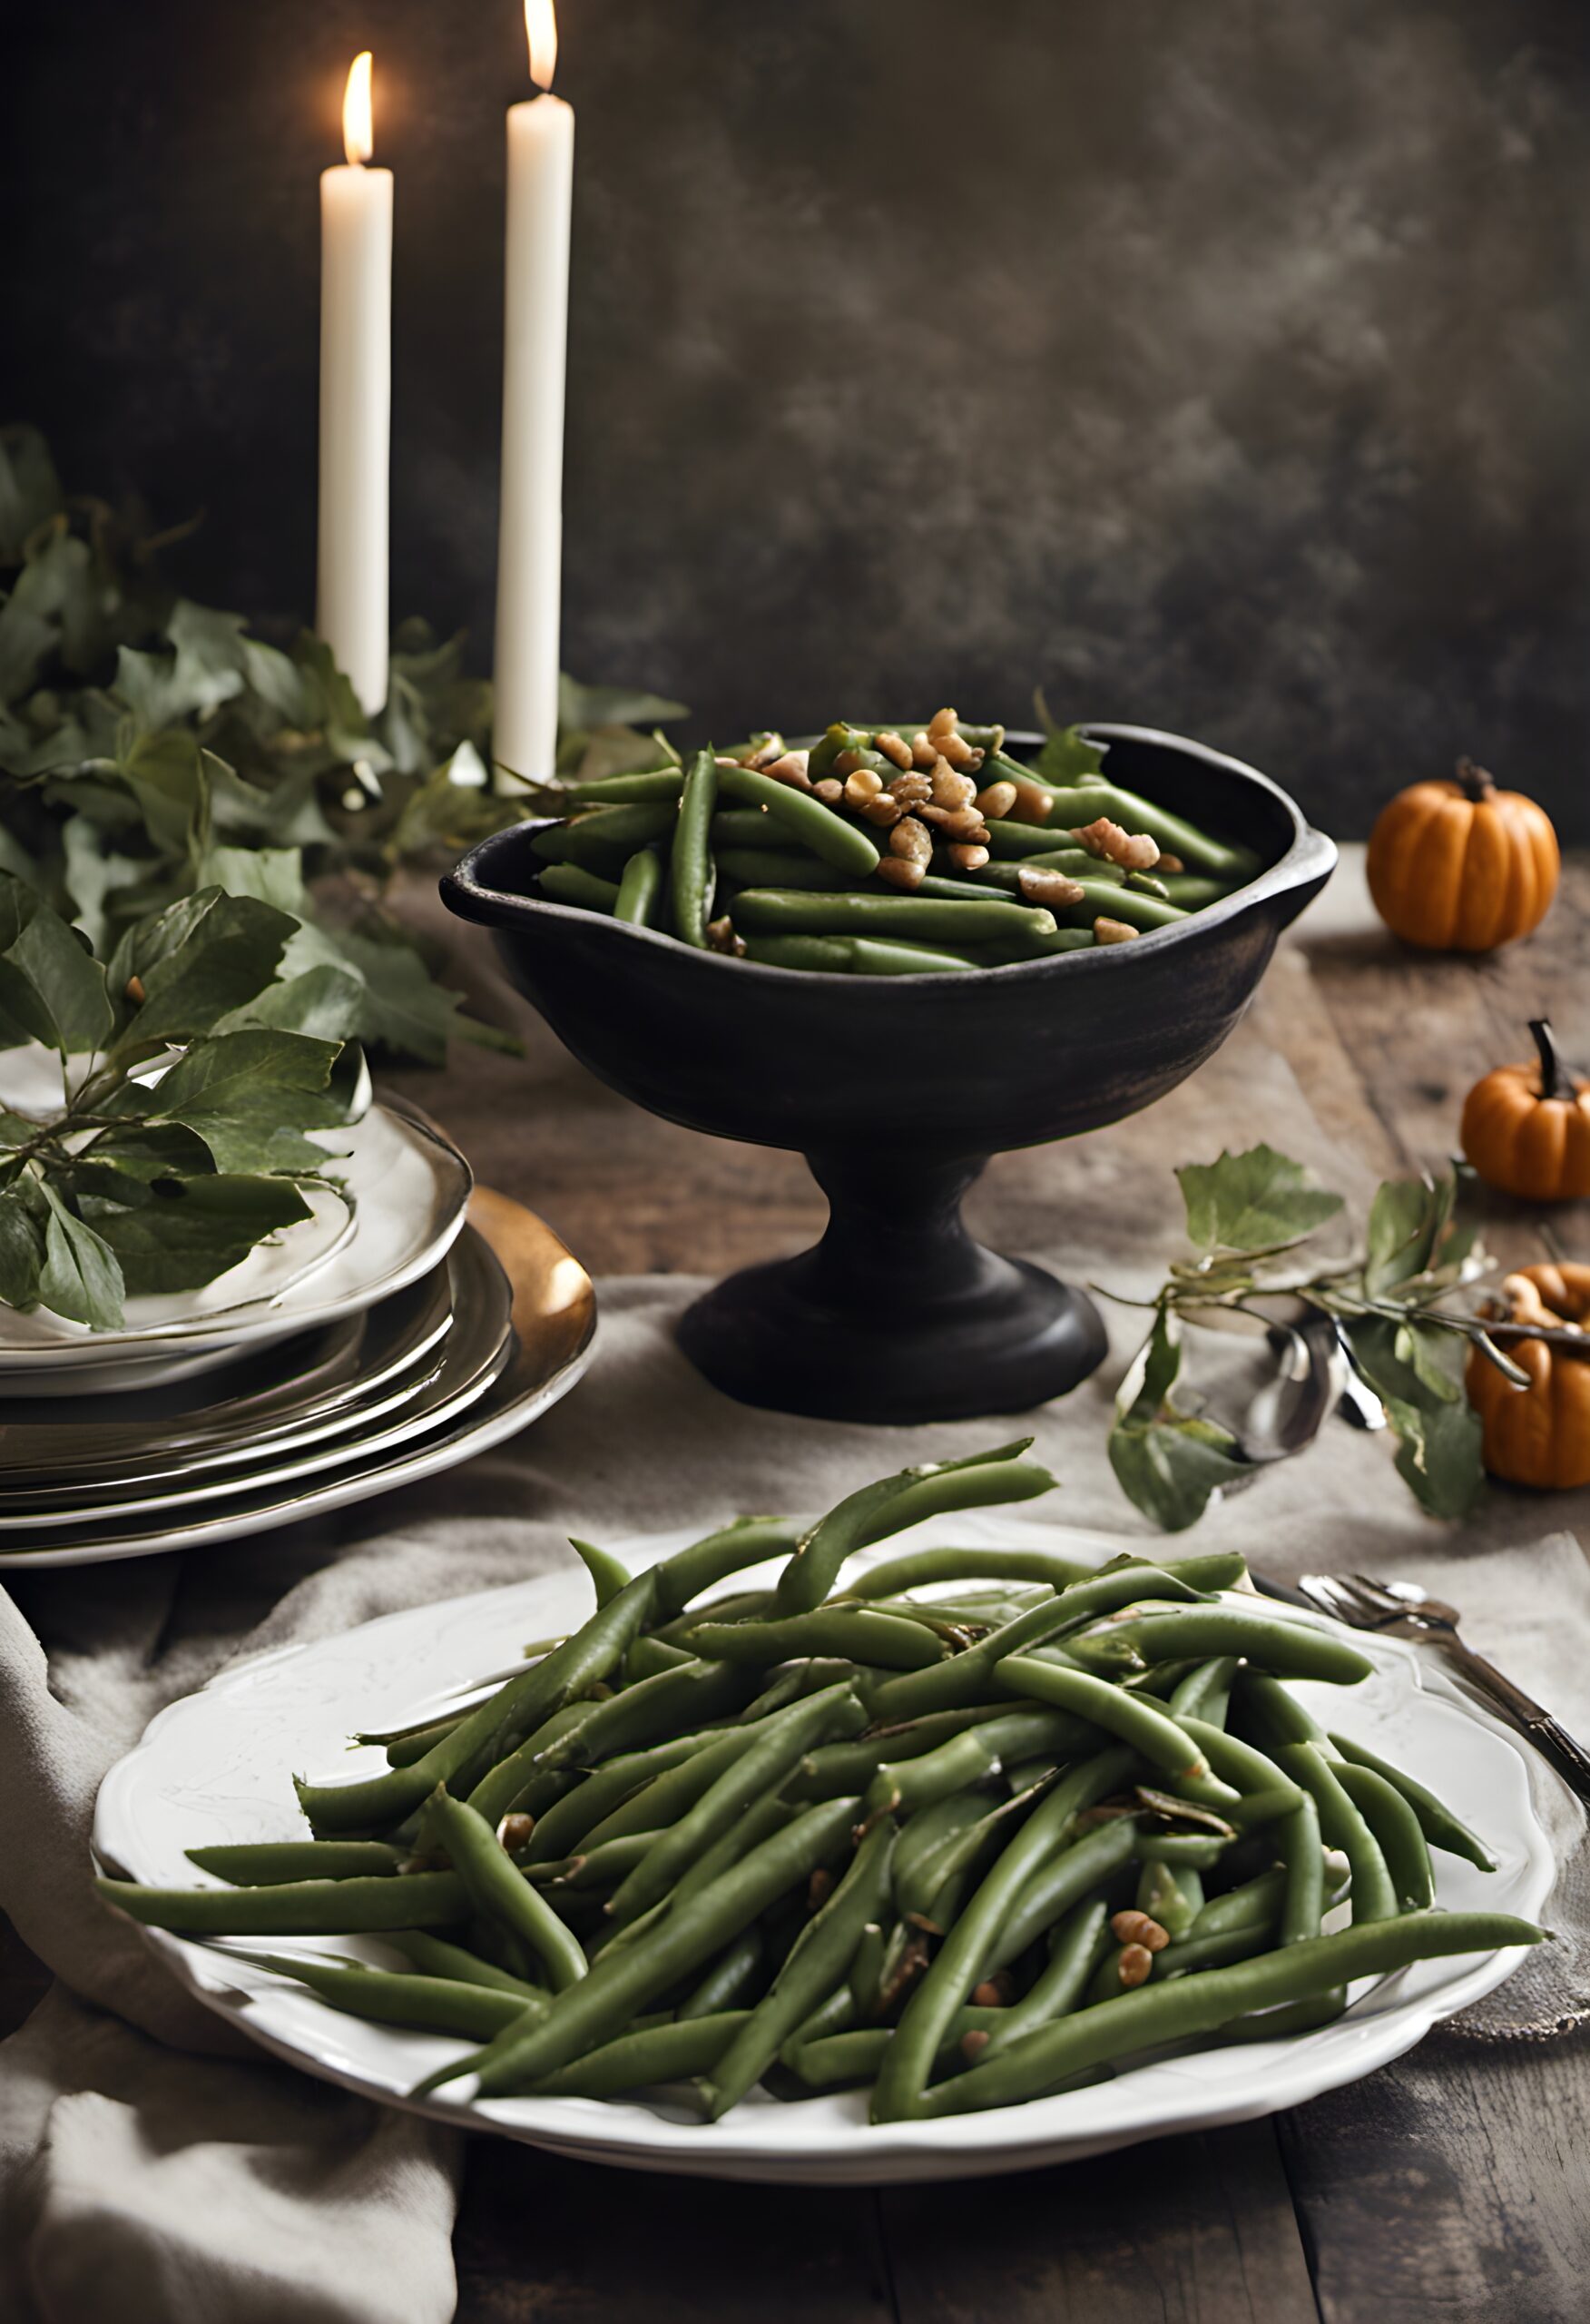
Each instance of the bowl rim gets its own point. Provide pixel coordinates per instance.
(1310, 854)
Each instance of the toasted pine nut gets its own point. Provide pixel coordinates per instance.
(968, 859)
(997, 800)
(1136, 851)
(923, 752)
(1168, 862)
(963, 822)
(831, 790)
(792, 769)
(959, 752)
(819, 1889)
(721, 938)
(861, 786)
(942, 722)
(513, 1831)
(893, 746)
(1134, 1965)
(994, 1992)
(1047, 887)
(846, 763)
(973, 2045)
(950, 789)
(1133, 1927)
(895, 871)
(883, 810)
(910, 790)
(911, 839)
(1032, 802)
(1112, 931)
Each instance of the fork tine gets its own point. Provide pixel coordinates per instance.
(1328, 1592)
(1377, 1594)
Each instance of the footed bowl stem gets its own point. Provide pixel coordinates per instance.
(897, 1314)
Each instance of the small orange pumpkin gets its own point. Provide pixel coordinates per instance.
(1538, 1435)
(1526, 1127)
(1462, 866)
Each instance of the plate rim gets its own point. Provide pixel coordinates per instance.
(1002, 2139)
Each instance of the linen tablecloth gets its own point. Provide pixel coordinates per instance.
(153, 2163)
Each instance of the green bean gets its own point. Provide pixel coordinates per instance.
(835, 2058)
(931, 1893)
(761, 1820)
(434, 1957)
(1082, 804)
(1440, 1827)
(840, 737)
(1291, 1649)
(690, 872)
(914, 1569)
(1117, 901)
(1005, 873)
(959, 1961)
(747, 1542)
(649, 1656)
(665, 1798)
(945, 889)
(1290, 2018)
(1133, 1720)
(268, 1864)
(528, 1699)
(879, 1509)
(439, 2004)
(1082, 1940)
(1196, 1955)
(1298, 1844)
(498, 1890)
(1195, 1850)
(650, 782)
(1205, 1692)
(864, 1977)
(1264, 1788)
(571, 883)
(837, 2013)
(752, 827)
(1186, 2006)
(924, 1834)
(1023, 944)
(640, 890)
(774, 911)
(728, 1982)
(403, 1751)
(882, 1640)
(690, 1696)
(1254, 1903)
(1274, 1712)
(1194, 890)
(904, 1786)
(1172, 1896)
(595, 841)
(764, 1766)
(1343, 1826)
(625, 1980)
(568, 1822)
(608, 1574)
(768, 867)
(1010, 841)
(297, 1908)
(676, 2052)
(857, 956)
(828, 836)
(1397, 1833)
(601, 1867)
(823, 1954)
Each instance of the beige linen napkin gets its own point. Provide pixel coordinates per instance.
(155, 2165)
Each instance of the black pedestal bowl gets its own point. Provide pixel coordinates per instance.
(897, 1089)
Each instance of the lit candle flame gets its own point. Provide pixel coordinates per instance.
(540, 25)
(359, 137)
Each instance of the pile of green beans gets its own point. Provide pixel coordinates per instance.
(796, 868)
(968, 1826)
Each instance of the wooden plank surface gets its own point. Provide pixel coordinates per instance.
(1454, 2184)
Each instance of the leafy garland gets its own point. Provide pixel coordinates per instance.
(149, 748)
(1407, 1343)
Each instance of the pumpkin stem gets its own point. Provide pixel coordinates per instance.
(1476, 784)
(1554, 1081)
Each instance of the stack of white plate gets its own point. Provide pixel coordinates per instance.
(398, 1331)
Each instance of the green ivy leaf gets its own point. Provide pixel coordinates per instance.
(1067, 755)
(197, 1229)
(1256, 1201)
(1416, 1370)
(1407, 1219)
(30, 490)
(81, 1277)
(50, 983)
(326, 1002)
(1167, 1462)
(273, 875)
(250, 1096)
(197, 961)
(22, 1250)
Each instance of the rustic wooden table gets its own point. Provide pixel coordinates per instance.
(1454, 2184)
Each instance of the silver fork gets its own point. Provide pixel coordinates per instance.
(1403, 1611)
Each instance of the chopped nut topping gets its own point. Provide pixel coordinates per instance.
(994, 1993)
(513, 1831)
(923, 752)
(846, 763)
(1133, 1927)
(950, 789)
(819, 1889)
(1112, 931)
(1134, 1965)
(721, 937)
(790, 768)
(1134, 850)
(894, 746)
(997, 800)
(942, 722)
(134, 992)
(973, 2043)
(1049, 888)
(831, 790)
(957, 822)
(913, 841)
(968, 859)
(911, 790)
(958, 751)
(861, 786)
(1168, 862)
(897, 872)
(883, 810)
(1032, 802)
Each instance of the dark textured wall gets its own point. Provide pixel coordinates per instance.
(1223, 364)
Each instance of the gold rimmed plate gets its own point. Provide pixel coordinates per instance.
(554, 1317)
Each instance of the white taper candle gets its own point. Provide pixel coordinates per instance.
(541, 168)
(356, 402)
